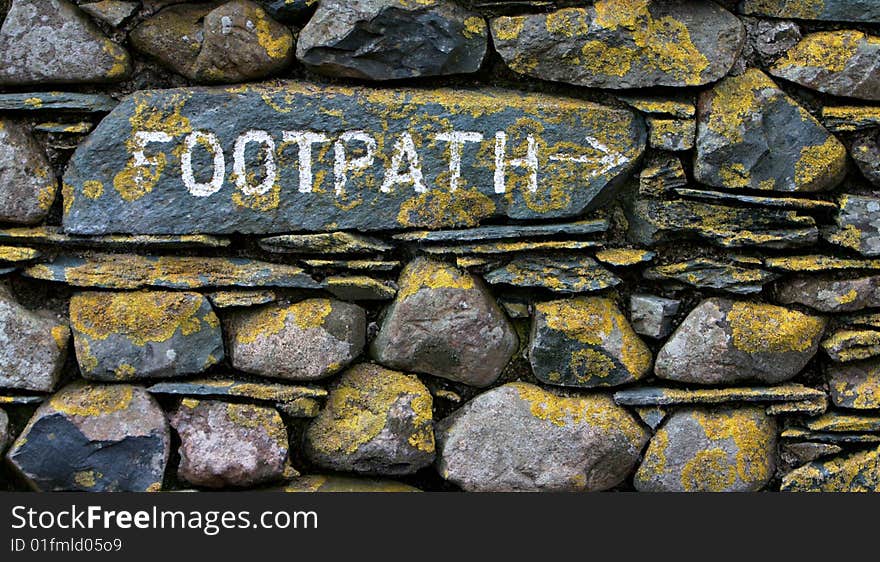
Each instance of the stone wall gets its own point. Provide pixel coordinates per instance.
(424, 244)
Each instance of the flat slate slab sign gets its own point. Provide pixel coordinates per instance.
(298, 157)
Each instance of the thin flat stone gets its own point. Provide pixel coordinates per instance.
(855, 385)
(848, 118)
(793, 203)
(852, 345)
(15, 400)
(55, 236)
(818, 262)
(668, 396)
(127, 271)
(59, 127)
(60, 101)
(15, 254)
(676, 107)
(705, 273)
(625, 257)
(504, 232)
(829, 437)
(324, 243)
(359, 287)
(223, 388)
(354, 265)
(839, 422)
(513, 247)
(867, 11)
(229, 299)
(813, 407)
(560, 274)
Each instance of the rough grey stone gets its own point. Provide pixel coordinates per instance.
(826, 10)
(64, 101)
(53, 42)
(672, 396)
(33, 347)
(718, 450)
(307, 340)
(234, 388)
(504, 232)
(445, 323)
(570, 273)
(376, 421)
(227, 444)
(637, 45)
(4, 431)
(114, 12)
(98, 438)
(27, 181)
(393, 39)
(797, 454)
(847, 344)
(865, 152)
(708, 273)
(854, 472)
(518, 437)
(671, 134)
(857, 225)
(827, 294)
(651, 315)
(768, 39)
(854, 385)
(324, 243)
(793, 203)
(752, 135)
(144, 335)
(288, 11)
(842, 63)
(593, 146)
(725, 342)
(661, 173)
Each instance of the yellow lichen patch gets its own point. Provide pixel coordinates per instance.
(92, 400)
(67, 194)
(61, 335)
(87, 478)
(359, 406)
(734, 101)
(434, 209)
(427, 274)
(847, 118)
(765, 328)
(801, 9)
(508, 28)
(260, 418)
(849, 236)
(623, 257)
(143, 316)
(276, 42)
(858, 472)
(569, 22)
(35, 103)
(596, 321)
(16, 253)
(829, 50)
(474, 26)
(708, 471)
(851, 345)
(751, 433)
(596, 410)
(819, 163)
(93, 189)
(270, 320)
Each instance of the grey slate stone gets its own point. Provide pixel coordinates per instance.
(865, 152)
(867, 11)
(652, 316)
(27, 180)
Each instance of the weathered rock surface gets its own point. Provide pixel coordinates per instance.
(376, 421)
(661, 173)
(725, 342)
(33, 347)
(625, 257)
(180, 177)
(768, 39)
(818, 263)
(720, 450)
(393, 39)
(95, 438)
(4, 431)
(857, 225)
(53, 42)
(518, 437)
(503, 232)
(752, 135)
(444, 323)
(865, 153)
(848, 118)
(706, 273)
(230, 299)
(671, 134)
(514, 247)
(225, 388)
(794, 203)
(40, 101)
(216, 42)
(585, 342)
(845, 422)
(114, 12)
(307, 340)
(226, 444)
(651, 315)
(855, 385)
(856, 472)
(852, 345)
(623, 44)
(831, 295)
(827, 10)
(668, 396)
(324, 243)
(27, 182)
(797, 454)
(557, 273)
(145, 334)
(318, 483)
(842, 63)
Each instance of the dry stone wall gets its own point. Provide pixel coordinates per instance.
(389, 245)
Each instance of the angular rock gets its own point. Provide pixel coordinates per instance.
(308, 340)
(851, 345)
(393, 39)
(114, 12)
(621, 44)
(61, 101)
(768, 39)
(856, 472)
(230, 299)
(95, 438)
(359, 288)
(490, 248)
(384, 163)
(585, 342)
(27, 181)
(33, 346)
(216, 42)
(865, 153)
(504, 232)
(519, 437)
(557, 273)
(752, 135)
(444, 323)
(334, 483)
(718, 450)
(225, 444)
(624, 257)
(707, 273)
(811, 407)
(144, 335)
(857, 225)
(726, 342)
(53, 42)
(847, 118)
(796, 454)
(839, 422)
(855, 385)
(300, 408)
(653, 416)
(128, 271)
(224, 388)
(669, 396)
(653, 221)
(824, 10)
(376, 421)
(324, 243)
(661, 174)
(671, 134)
(841, 63)
(652, 316)
(831, 295)
(793, 203)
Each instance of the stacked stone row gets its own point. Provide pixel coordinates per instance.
(710, 329)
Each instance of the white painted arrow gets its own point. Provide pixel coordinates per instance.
(609, 159)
